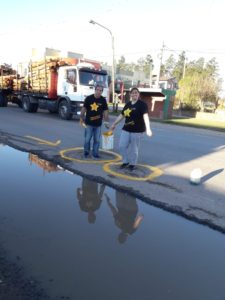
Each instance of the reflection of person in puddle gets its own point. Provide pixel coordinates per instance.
(90, 198)
(125, 215)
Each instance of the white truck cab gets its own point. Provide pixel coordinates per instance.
(77, 82)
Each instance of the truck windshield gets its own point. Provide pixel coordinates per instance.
(92, 78)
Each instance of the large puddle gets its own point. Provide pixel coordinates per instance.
(84, 240)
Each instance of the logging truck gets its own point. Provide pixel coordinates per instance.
(58, 85)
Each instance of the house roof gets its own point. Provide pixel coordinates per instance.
(151, 92)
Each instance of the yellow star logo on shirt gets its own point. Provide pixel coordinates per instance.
(127, 112)
(94, 106)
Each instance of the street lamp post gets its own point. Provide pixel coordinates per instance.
(113, 60)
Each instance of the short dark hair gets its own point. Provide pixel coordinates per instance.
(99, 86)
(134, 89)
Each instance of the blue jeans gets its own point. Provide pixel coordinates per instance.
(129, 146)
(90, 132)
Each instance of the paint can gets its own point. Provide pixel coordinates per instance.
(107, 140)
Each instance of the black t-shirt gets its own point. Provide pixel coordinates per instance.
(133, 113)
(95, 108)
(89, 196)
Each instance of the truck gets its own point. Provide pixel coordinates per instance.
(59, 85)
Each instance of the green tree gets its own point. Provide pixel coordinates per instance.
(168, 67)
(144, 63)
(178, 70)
(201, 83)
(121, 64)
(212, 67)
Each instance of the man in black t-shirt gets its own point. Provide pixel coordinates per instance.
(90, 197)
(95, 109)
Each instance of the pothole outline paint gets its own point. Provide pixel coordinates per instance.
(86, 160)
(155, 172)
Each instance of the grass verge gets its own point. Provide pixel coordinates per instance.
(198, 123)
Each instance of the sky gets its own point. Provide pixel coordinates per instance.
(139, 28)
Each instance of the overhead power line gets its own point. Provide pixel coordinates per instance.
(166, 49)
(204, 51)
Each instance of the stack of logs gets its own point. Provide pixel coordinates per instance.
(40, 73)
(44, 164)
(38, 79)
(9, 79)
(7, 75)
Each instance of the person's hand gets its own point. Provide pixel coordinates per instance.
(79, 193)
(106, 125)
(149, 132)
(82, 123)
(113, 126)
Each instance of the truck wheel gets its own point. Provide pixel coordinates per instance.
(20, 104)
(64, 110)
(28, 106)
(3, 100)
(34, 107)
(52, 111)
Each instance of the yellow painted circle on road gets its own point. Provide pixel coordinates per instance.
(64, 154)
(155, 172)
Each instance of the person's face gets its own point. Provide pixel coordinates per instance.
(98, 92)
(134, 95)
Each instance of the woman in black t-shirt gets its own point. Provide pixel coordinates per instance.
(136, 123)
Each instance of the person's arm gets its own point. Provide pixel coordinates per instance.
(112, 208)
(117, 121)
(82, 115)
(106, 118)
(102, 188)
(138, 221)
(147, 124)
(79, 193)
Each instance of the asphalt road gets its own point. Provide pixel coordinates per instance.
(174, 150)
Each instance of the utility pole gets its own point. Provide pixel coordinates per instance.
(183, 75)
(184, 67)
(150, 73)
(160, 63)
